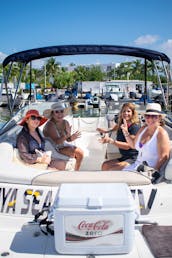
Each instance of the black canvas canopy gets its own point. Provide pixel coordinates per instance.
(38, 53)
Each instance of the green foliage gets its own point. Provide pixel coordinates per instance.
(52, 74)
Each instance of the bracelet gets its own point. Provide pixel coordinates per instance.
(126, 134)
(69, 139)
(110, 130)
(111, 141)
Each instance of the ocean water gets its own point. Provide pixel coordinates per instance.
(4, 113)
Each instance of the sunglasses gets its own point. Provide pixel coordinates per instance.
(35, 118)
(59, 111)
(152, 116)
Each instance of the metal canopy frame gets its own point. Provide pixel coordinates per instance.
(38, 53)
(24, 57)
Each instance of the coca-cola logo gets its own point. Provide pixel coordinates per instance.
(98, 225)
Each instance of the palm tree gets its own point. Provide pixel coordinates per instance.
(52, 69)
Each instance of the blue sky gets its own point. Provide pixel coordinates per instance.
(27, 24)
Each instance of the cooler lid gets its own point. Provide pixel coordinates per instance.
(95, 196)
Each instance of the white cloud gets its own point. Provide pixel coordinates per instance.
(166, 47)
(37, 64)
(2, 57)
(146, 40)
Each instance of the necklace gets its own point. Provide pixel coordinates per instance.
(60, 128)
(141, 144)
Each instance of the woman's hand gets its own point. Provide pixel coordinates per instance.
(68, 130)
(101, 130)
(43, 157)
(129, 138)
(75, 135)
(106, 139)
(46, 159)
(124, 127)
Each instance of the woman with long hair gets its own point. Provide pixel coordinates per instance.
(31, 144)
(151, 141)
(128, 154)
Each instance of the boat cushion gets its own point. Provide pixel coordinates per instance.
(14, 170)
(17, 159)
(70, 164)
(6, 151)
(52, 178)
(168, 168)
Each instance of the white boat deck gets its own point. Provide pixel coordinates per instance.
(20, 239)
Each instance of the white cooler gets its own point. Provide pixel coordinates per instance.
(94, 219)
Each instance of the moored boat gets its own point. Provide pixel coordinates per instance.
(25, 193)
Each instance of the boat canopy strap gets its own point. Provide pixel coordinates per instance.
(38, 53)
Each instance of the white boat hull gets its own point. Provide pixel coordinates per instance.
(20, 236)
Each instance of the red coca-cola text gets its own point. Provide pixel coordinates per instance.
(98, 225)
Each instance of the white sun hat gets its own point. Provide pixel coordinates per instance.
(57, 106)
(154, 109)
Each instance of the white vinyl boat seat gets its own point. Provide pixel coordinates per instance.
(12, 171)
(70, 162)
(168, 168)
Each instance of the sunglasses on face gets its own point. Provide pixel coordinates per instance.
(58, 111)
(152, 116)
(35, 118)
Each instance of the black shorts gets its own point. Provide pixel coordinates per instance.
(127, 159)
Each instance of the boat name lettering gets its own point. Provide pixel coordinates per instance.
(8, 200)
(24, 201)
(31, 201)
(139, 196)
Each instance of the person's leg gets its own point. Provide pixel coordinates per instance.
(73, 152)
(79, 154)
(58, 164)
(114, 164)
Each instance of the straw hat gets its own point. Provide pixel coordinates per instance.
(56, 106)
(154, 109)
(33, 112)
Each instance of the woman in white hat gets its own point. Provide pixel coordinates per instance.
(58, 131)
(151, 141)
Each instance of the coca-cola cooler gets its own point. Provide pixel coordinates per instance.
(94, 219)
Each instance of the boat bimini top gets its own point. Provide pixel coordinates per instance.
(37, 53)
(25, 57)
